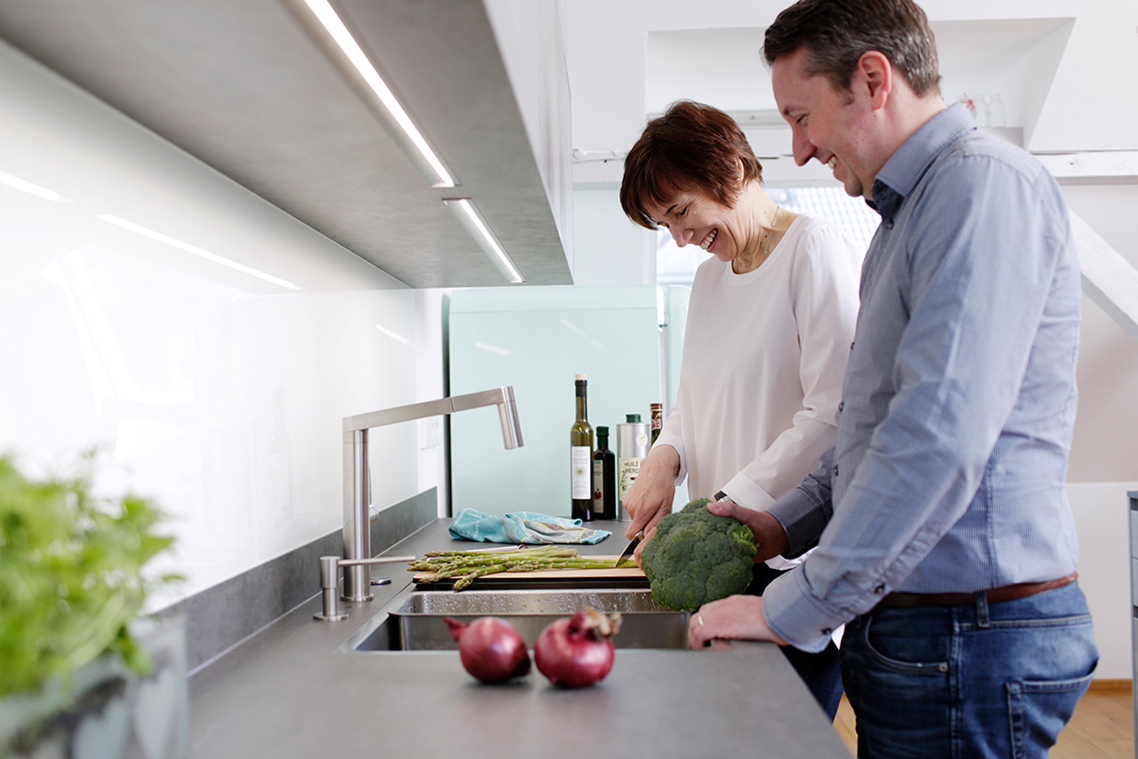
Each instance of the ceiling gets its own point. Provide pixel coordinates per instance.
(241, 85)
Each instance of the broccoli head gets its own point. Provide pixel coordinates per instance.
(696, 557)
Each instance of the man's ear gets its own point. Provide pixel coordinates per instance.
(876, 74)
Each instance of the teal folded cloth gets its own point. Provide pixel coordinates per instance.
(521, 527)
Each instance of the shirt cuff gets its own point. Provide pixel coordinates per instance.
(802, 517)
(746, 492)
(677, 444)
(793, 613)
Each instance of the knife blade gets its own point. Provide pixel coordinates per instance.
(630, 548)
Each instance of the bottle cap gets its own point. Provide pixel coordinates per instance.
(602, 430)
(632, 417)
(582, 376)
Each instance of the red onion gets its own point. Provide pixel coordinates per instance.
(577, 651)
(490, 649)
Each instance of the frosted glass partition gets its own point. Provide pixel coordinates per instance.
(208, 341)
(537, 339)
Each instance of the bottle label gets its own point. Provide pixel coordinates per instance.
(626, 471)
(599, 489)
(581, 461)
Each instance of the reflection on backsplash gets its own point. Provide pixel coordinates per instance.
(211, 343)
(195, 250)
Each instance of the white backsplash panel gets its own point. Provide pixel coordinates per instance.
(207, 341)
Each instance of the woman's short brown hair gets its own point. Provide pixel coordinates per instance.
(692, 147)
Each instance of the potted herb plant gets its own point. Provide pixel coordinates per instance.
(81, 672)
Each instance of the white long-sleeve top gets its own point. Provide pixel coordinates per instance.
(761, 375)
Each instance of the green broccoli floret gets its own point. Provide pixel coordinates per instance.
(696, 557)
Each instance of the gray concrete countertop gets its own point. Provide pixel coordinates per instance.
(288, 693)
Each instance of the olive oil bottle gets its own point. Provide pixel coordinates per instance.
(581, 456)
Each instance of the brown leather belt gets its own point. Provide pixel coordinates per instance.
(995, 595)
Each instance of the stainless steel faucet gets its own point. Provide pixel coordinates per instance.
(330, 581)
(357, 525)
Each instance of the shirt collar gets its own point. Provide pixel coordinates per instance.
(905, 167)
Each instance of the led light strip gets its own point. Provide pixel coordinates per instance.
(466, 212)
(407, 131)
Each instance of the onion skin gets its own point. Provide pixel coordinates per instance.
(577, 651)
(490, 649)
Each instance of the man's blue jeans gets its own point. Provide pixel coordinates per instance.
(981, 680)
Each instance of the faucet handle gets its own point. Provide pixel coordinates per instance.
(330, 582)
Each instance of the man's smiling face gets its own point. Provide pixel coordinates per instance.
(824, 121)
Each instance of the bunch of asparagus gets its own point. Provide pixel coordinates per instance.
(467, 566)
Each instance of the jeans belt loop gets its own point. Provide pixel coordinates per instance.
(994, 595)
(983, 620)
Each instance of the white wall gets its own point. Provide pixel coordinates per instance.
(211, 345)
(1104, 452)
(611, 250)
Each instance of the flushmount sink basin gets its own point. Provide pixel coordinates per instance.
(413, 621)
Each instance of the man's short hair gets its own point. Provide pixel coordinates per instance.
(838, 32)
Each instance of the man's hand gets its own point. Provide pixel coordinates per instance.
(770, 537)
(734, 617)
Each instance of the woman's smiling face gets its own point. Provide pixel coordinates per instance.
(695, 217)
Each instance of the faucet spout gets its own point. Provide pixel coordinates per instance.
(508, 416)
(357, 524)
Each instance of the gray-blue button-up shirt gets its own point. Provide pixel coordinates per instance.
(948, 472)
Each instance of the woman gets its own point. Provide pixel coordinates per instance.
(770, 322)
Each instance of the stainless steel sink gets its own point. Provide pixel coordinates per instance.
(413, 621)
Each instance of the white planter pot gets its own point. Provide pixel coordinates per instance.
(108, 711)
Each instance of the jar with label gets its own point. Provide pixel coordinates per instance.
(632, 447)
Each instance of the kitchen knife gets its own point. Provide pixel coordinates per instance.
(630, 549)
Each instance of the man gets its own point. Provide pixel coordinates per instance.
(945, 542)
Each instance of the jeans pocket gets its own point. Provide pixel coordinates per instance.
(1038, 710)
(889, 659)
